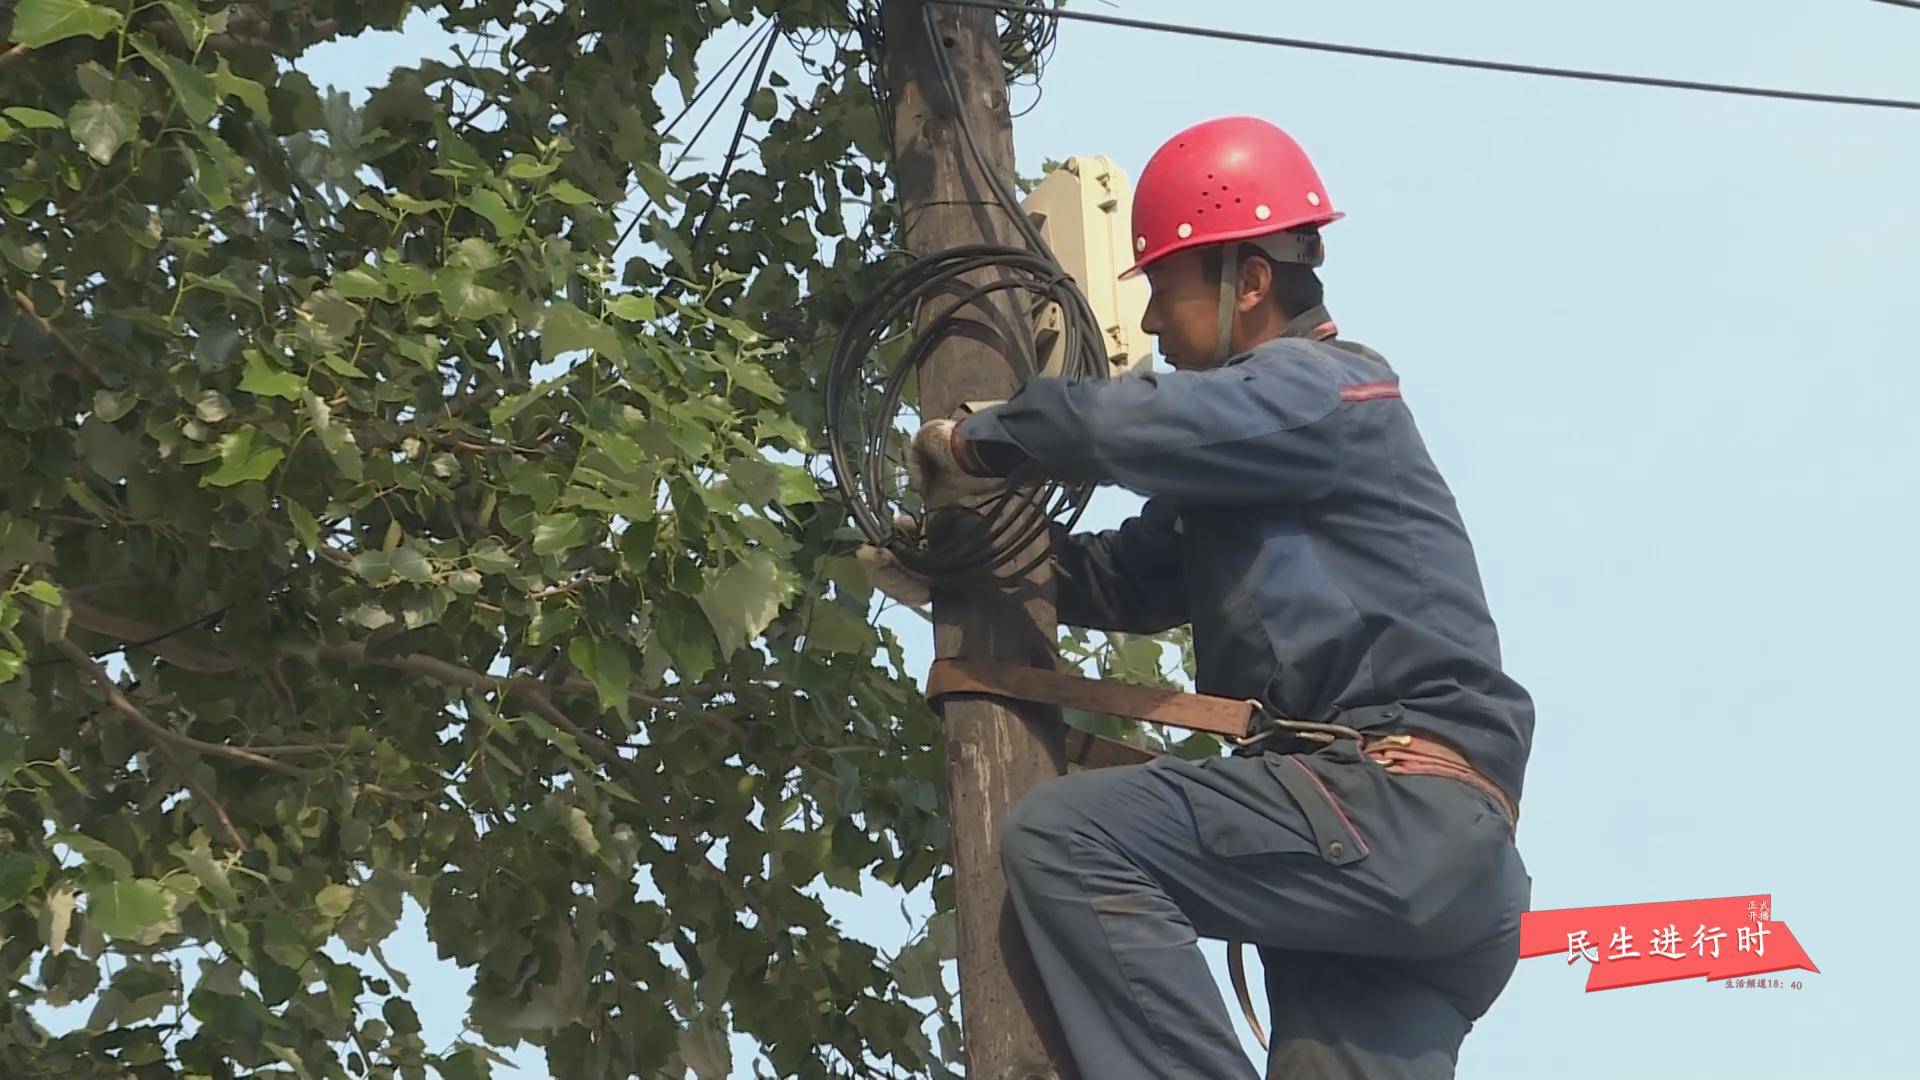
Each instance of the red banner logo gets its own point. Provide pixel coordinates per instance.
(1635, 944)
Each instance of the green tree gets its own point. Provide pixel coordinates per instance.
(372, 528)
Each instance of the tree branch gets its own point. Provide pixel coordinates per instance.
(128, 709)
(168, 647)
(60, 341)
(161, 738)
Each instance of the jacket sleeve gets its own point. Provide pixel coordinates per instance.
(1261, 430)
(1131, 579)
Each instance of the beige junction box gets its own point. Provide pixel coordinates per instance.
(1083, 208)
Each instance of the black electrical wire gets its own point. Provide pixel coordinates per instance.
(752, 40)
(733, 148)
(1914, 4)
(203, 620)
(1443, 61)
(997, 532)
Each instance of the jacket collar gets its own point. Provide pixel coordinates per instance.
(1314, 324)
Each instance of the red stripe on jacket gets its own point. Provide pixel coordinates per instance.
(1371, 391)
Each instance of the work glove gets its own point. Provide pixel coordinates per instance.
(936, 474)
(888, 575)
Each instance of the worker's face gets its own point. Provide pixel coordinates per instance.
(1183, 313)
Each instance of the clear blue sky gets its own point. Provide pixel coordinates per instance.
(1660, 343)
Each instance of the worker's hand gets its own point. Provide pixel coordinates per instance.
(937, 475)
(884, 570)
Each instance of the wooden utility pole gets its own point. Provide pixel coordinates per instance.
(996, 750)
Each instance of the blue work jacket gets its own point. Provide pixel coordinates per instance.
(1296, 520)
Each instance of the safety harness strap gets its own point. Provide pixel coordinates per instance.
(1229, 302)
(1194, 712)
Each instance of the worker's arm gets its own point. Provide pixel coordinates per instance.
(1131, 579)
(1259, 431)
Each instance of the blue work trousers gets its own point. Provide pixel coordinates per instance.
(1386, 908)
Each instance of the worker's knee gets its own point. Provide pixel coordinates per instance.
(1035, 834)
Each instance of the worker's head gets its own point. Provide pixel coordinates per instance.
(1226, 227)
(1265, 293)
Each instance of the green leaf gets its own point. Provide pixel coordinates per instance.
(212, 406)
(330, 318)
(39, 23)
(570, 194)
(605, 664)
(11, 664)
(291, 1058)
(250, 93)
(126, 908)
(565, 328)
(372, 566)
(704, 1047)
(360, 284)
(334, 900)
(211, 875)
(466, 299)
(552, 620)
(763, 105)
(743, 600)
(110, 405)
(917, 967)
(411, 564)
(59, 917)
(371, 616)
(832, 628)
(341, 366)
(337, 440)
(262, 378)
(102, 128)
(192, 86)
(375, 913)
(755, 378)
(407, 204)
(489, 556)
(241, 461)
(188, 19)
(46, 592)
(464, 582)
(580, 827)
(529, 168)
(211, 178)
(35, 119)
(557, 533)
(490, 205)
(96, 852)
(633, 308)
(304, 525)
(21, 873)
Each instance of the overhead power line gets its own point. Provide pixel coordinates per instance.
(1447, 61)
(1914, 4)
(765, 33)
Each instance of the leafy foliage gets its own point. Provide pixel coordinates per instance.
(436, 548)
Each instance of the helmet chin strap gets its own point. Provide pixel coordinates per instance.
(1229, 302)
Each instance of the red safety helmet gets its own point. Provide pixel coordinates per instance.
(1235, 178)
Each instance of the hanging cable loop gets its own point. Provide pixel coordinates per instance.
(866, 394)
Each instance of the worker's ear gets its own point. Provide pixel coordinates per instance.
(1256, 283)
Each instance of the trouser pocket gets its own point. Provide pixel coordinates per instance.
(1274, 804)
(1334, 834)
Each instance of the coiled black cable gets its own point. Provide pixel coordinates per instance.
(965, 279)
